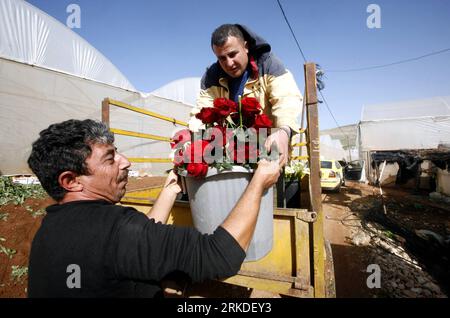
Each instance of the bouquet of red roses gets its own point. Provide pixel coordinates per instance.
(233, 134)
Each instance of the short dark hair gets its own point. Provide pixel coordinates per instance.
(222, 33)
(65, 147)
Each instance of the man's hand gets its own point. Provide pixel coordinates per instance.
(173, 183)
(281, 139)
(268, 172)
(166, 198)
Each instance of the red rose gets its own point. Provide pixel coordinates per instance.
(181, 136)
(216, 131)
(235, 117)
(262, 121)
(208, 115)
(229, 138)
(250, 106)
(192, 157)
(194, 152)
(198, 170)
(248, 121)
(212, 153)
(178, 160)
(240, 153)
(225, 106)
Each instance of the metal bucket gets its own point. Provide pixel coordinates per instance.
(212, 199)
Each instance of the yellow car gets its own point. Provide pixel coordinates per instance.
(331, 175)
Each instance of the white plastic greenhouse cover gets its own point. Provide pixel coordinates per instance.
(184, 90)
(31, 36)
(415, 124)
(431, 107)
(32, 98)
(332, 149)
(39, 86)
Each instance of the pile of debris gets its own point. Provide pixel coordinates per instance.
(413, 262)
(402, 276)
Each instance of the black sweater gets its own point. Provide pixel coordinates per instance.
(120, 252)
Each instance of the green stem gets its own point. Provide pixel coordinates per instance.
(240, 111)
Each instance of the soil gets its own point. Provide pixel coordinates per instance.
(350, 262)
(351, 211)
(18, 231)
(344, 215)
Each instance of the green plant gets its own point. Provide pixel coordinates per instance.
(4, 216)
(18, 193)
(295, 170)
(37, 212)
(8, 251)
(18, 271)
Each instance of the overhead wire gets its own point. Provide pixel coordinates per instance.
(304, 58)
(292, 31)
(389, 64)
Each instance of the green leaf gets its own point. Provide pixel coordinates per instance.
(227, 166)
(18, 193)
(8, 251)
(18, 271)
(4, 216)
(231, 122)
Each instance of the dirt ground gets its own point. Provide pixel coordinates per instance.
(17, 229)
(350, 262)
(344, 219)
(351, 212)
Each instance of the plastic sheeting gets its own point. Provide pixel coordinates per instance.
(417, 124)
(49, 74)
(32, 98)
(430, 107)
(30, 36)
(332, 149)
(185, 90)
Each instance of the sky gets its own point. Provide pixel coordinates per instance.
(155, 42)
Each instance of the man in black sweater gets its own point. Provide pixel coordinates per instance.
(89, 247)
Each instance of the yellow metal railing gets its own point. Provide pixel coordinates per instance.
(153, 160)
(107, 102)
(298, 145)
(300, 158)
(145, 112)
(139, 135)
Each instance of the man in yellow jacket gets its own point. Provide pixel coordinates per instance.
(246, 67)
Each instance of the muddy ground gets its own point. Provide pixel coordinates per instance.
(412, 261)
